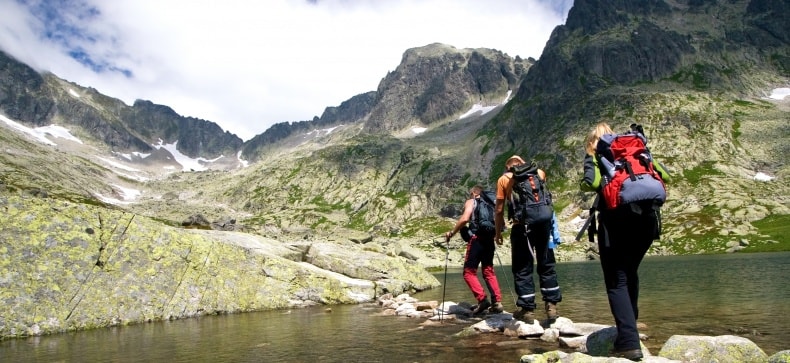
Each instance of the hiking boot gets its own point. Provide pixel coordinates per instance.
(525, 315)
(480, 307)
(496, 308)
(631, 354)
(551, 310)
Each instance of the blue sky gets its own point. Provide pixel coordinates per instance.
(249, 64)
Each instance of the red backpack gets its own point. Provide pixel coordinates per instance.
(628, 171)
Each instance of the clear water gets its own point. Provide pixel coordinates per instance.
(737, 294)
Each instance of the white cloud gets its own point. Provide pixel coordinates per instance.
(247, 65)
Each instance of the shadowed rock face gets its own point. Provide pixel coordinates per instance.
(605, 45)
(196, 137)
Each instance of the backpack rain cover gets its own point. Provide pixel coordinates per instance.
(627, 168)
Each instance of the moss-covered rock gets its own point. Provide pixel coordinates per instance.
(725, 348)
(69, 266)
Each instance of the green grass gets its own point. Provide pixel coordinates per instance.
(466, 181)
(697, 75)
(295, 194)
(433, 225)
(357, 222)
(497, 166)
(294, 172)
(773, 234)
(776, 228)
(401, 198)
(736, 132)
(424, 167)
(325, 207)
(744, 103)
(695, 175)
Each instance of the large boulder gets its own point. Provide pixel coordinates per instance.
(392, 275)
(722, 349)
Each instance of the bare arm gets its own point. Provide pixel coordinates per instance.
(469, 206)
(502, 191)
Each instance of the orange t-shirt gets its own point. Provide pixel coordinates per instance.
(504, 186)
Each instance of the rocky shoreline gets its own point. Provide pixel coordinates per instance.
(576, 341)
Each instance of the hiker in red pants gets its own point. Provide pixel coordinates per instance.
(480, 248)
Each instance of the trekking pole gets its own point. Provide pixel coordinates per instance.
(589, 224)
(529, 245)
(504, 272)
(444, 285)
(585, 226)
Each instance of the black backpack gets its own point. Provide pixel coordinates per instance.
(530, 202)
(482, 224)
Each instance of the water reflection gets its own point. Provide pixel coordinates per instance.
(695, 295)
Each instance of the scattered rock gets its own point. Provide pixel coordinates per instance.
(196, 221)
(589, 342)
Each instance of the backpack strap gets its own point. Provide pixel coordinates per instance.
(629, 169)
(534, 188)
(511, 178)
(473, 220)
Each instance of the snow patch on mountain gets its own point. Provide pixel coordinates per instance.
(187, 163)
(760, 176)
(40, 133)
(244, 163)
(485, 109)
(779, 93)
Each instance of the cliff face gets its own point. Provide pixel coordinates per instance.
(606, 46)
(436, 82)
(432, 85)
(196, 137)
(22, 92)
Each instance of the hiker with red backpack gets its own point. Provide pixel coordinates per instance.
(479, 237)
(523, 189)
(630, 187)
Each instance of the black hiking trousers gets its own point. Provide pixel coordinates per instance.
(523, 264)
(623, 239)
